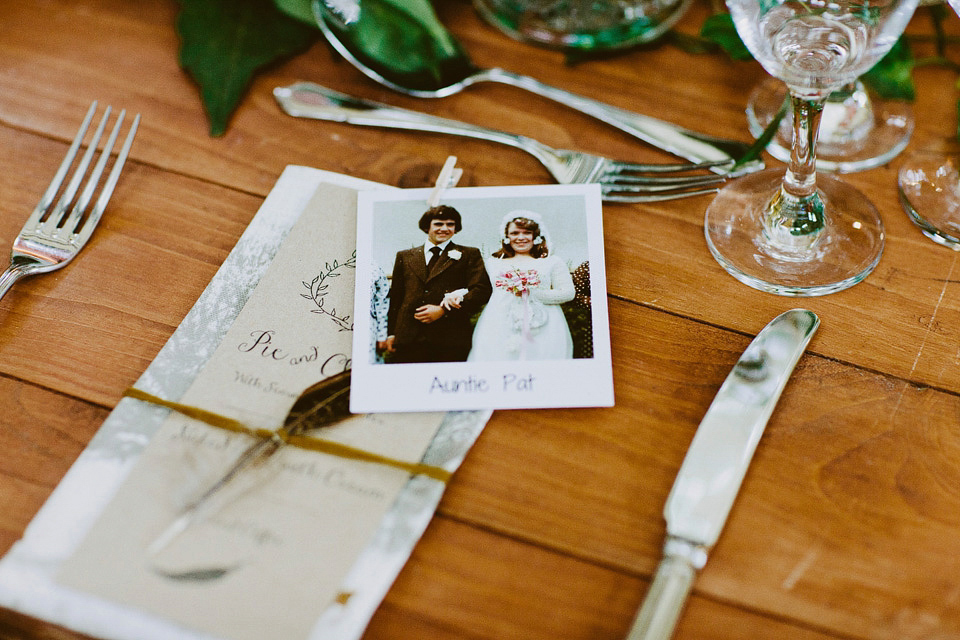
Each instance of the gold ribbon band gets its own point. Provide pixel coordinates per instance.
(301, 442)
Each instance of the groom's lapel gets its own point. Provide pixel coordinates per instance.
(445, 261)
(419, 263)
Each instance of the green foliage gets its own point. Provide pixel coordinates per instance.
(394, 37)
(866, 13)
(405, 42)
(890, 78)
(298, 9)
(223, 43)
(719, 30)
(694, 45)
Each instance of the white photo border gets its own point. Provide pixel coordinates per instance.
(452, 386)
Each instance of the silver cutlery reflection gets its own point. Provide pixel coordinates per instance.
(716, 462)
(620, 181)
(52, 237)
(336, 20)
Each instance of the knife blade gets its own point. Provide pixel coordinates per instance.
(715, 465)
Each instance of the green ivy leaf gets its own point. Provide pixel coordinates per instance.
(299, 9)
(693, 45)
(396, 39)
(404, 41)
(223, 43)
(719, 29)
(890, 78)
(422, 11)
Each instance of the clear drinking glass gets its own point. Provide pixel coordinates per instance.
(792, 232)
(583, 24)
(929, 185)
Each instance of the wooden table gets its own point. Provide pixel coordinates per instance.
(848, 523)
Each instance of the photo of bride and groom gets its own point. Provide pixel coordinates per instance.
(450, 302)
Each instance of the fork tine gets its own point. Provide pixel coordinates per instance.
(620, 167)
(94, 218)
(56, 216)
(72, 223)
(112, 179)
(659, 183)
(613, 196)
(47, 198)
(621, 185)
(639, 189)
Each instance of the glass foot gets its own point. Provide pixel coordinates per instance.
(857, 131)
(596, 25)
(929, 185)
(844, 253)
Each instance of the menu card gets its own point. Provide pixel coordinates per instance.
(311, 544)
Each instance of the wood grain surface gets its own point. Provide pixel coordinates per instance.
(848, 524)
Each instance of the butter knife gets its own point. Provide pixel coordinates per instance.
(715, 465)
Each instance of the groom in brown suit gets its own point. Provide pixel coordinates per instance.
(419, 328)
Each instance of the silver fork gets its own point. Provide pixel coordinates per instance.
(53, 237)
(620, 181)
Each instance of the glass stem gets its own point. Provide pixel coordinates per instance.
(801, 178)
(848, 121)
(794, 218)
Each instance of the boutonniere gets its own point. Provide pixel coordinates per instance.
(454, 254)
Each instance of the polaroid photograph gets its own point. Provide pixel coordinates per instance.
(494, 299)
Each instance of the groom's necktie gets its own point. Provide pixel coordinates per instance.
(434, 259)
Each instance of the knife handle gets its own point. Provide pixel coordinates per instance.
(668, 593)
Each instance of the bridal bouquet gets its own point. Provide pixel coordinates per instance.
(518, 281)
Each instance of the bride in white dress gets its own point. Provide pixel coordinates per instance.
(523, 319)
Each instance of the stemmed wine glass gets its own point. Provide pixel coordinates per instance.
(859, 130)
(792, 232)
(929, 185)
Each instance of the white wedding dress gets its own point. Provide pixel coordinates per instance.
(530, 327)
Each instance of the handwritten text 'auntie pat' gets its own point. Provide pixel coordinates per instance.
(511, 383)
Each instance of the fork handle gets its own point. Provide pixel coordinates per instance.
(10, 275)
(310, 100)
(694, 146)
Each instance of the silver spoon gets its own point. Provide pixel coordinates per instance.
(334, 17)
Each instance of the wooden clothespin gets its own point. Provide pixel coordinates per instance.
(448, 178)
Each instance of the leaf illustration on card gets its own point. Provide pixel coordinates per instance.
(319, 288)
